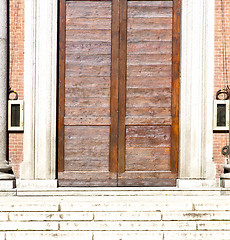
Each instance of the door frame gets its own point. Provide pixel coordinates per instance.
(118, 88)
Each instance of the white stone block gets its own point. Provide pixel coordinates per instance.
(36, 184)
(7, 184)
(138, 206)
(191, 183)
(195, 235)
(2, 236)
(3, 216)
(225, 183)
(195, 216)
(212, 205)
(28, 226)
(8, 193)
(127, 226)
(28, 206)
(50, 216)
(127, 216)
(213, 225)
(51, 235)
(124, 235)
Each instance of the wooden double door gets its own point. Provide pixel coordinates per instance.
(118, 93)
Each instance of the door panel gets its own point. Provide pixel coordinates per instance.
(148, 107)
(87, 95)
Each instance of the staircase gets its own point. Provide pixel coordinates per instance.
(116, 214)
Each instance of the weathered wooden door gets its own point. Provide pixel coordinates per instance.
(118, 93)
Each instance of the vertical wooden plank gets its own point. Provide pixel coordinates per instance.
(114, 87)
(61, 86)
(122, 86)
(175, 85)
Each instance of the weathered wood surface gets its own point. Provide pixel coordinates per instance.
(147, 136)
(148, 107)
(84, 179)
(122, 86)
(88, 147)
(87, 95)
(148, 159)
(148, 121)
(61, 84)
(113, 163)
(175, 85)
(87, 121)
(121, 72)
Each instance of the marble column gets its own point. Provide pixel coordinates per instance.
(5, 169)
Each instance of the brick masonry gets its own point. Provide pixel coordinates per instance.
(222, 34)
(16, 75)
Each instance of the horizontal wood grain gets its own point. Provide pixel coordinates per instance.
(146, 35)
(149, 59)
(90, 35)
(150, 47)
(84, 47)
(88, 147)
(150, 23)
(137, 181)
(82, 92)
(151, 121)
(87, 111)
(84, 179)
(149, 70)
(88, 23)
(148, 111)
(88, 9)
(88, 60)
(87, 71)
(87, 121)
(87, 82)
(149, 9)
(91, 165)
(153, 82)
(144, 159)
(87, 102)
(148, 136)
(157, 101)
(149, 92)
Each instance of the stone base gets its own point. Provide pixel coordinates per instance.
(225, 183)
(36, 184)
(7, 184)
(197, 183)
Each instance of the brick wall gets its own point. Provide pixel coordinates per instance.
(16, 72)
(222, 36)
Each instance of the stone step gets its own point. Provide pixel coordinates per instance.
(114, 217)
(123, 192)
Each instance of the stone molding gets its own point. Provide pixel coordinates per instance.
(40, 84)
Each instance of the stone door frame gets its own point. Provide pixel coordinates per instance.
(196, 84)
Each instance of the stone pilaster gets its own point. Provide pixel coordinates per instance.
(197, 79)
(40, 83)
